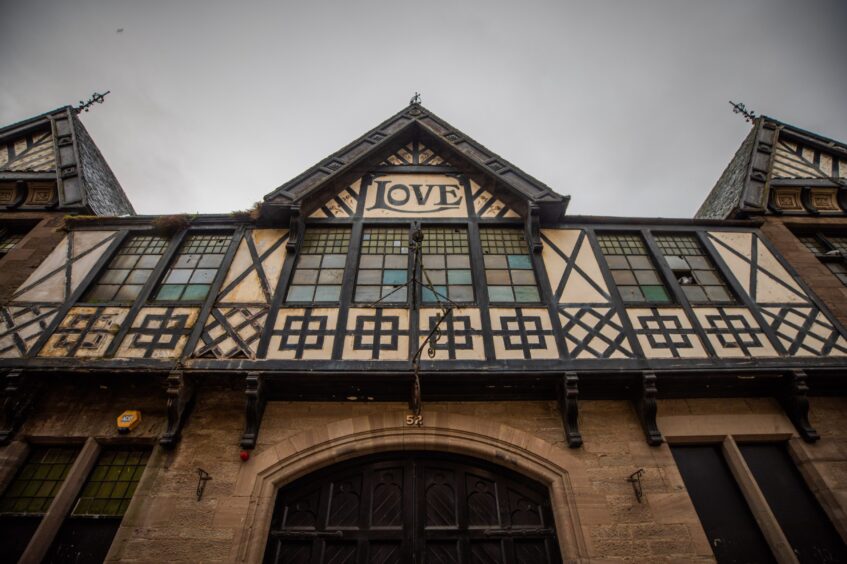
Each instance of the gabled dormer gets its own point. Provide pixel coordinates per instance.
(781, 170)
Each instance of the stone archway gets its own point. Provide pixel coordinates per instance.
(511, 448)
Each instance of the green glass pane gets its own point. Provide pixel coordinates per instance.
(45, 489)
(82, 508)
(459, 276)
(394, 277)
(112, 507)
(301, 293)
(126, 473)
(41, 472)
(430, 297)
(655, 294)
(31, 489)
(124, 505)
(526, 294)
(195, 292)
(105, 489)
(520, 261)
(500, 294)
(169, 292)
(113, 473)
(119, 491)
(327, 293)
(99, 473)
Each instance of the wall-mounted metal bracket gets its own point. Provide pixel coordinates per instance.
(645, 405)
(255, 408)
(180, 394)
(795, 401)
(635, 480)
(19, 391)
(295, 230)
(202, 478)
(568, 392)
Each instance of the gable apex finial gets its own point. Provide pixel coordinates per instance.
(416, 99)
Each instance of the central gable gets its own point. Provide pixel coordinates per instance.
(414, 163)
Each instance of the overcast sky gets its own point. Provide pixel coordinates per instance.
(622, 105)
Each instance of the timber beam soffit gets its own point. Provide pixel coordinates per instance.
(352, 160)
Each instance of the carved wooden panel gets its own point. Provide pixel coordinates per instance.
(158, 332)
(523, 333)
(377, 334)
(413, 507)
(303, 334)
(459, 337)
(665, 332)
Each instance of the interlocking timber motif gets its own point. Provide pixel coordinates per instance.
(459, 338)
(343, 204)
(523, 333)
(593, 332)
(21, 326)
(804, 330)
(30, 153)
(65, 267)
(85, 332)
(158, 332)
(489, 206)
(591, 326)
(793, 160)
(232, 332)
(757, 269)
(303, 333)
(665, 333)
(377, 334)
(414, 153)
(734, 332)
(254, 273)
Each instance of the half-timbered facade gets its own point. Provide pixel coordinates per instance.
(410, 352)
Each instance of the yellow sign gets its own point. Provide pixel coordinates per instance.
(128, 420)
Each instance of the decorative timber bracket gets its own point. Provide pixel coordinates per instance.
(256, 399)
(795, 401)
(295, 230)
(180, 399)
(533, 228)
(568, 392)
(19, 393)
(645, 406)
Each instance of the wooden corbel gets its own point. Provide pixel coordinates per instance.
(568, 392)
(180, 394)
(19, 394)
(645, 405)
(295, 230)
(533, 228)
(795, 401)
(255, 408)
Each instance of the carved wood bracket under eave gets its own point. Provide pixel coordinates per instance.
(256, 398)
(568, 392)
(795, 401)
(180, 394)
(645, 406)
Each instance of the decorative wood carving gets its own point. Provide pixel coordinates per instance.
(180, 399)
(255, 408)
(533, 229)
(569, 408)
(19, 393)
(795, 402)
(645, 405)
(295, 232)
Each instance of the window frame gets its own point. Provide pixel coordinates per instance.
(535, 265)
(658, 265)
(476, 284)
(735, 300)
(821, 236)
(356, 248)
(287, 279)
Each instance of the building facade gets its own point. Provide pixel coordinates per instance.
(411, 353)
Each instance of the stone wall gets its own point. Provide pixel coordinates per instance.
(165, 522)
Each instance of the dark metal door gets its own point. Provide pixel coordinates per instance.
(419, 507)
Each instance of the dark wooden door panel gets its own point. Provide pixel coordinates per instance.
(412, 507)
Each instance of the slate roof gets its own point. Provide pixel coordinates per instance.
(355, 158)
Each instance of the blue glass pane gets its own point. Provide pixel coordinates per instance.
(520, 261)
(429, 297)
(394, 277)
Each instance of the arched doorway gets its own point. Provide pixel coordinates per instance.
(413, 507)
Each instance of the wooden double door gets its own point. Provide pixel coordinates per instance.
(414, 507)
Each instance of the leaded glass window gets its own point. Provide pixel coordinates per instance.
(129, 270)
(694, 270)
(8, 241)
(191, 273)
(37, 482)
(112, 482)
(319, 272)
(383, 265)
(831, 250)
(508, 266)
(633, 271)
(446, 265)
